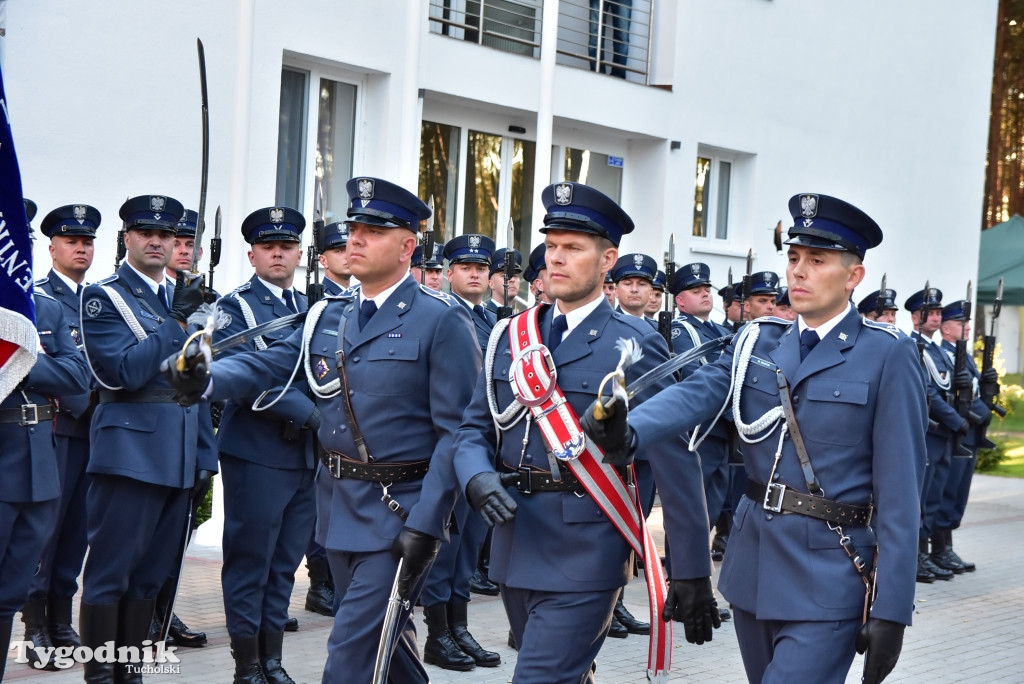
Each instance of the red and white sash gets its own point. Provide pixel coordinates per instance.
(534, 383)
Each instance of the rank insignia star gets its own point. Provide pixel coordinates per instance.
(842, 337)
(401, 305)
(593, 333)
(321, 369)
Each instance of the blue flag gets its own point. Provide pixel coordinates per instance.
(19, 341)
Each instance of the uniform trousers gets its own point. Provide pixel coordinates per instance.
(955, 493)
(268, 513)
(936, 474)
(60, 563)
(559, 633)
(135, 534)
(783, 652)
(365, 580)
(23, 530)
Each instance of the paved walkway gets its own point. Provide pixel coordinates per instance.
(968, 630)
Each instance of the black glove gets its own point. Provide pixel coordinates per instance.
(692, 602)
(417, 551)
(883, 641)
(612, 434)
(202, 484)
(314, 420)
(486, 494)
(188, 296)
(990, 376)
(192, 382)
(963, 381)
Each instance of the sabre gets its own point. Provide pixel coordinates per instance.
(427, 242)
(665, 317)
(205, 176)
(629, 353)
(669, 367)
(396, 604)
(883, 295)
(214, 250)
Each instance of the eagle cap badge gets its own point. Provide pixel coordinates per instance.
(474, 241)
(809, 206)
(79, 212)
(157, 203)
(365, 188)
(276, 215)
(563, 193)
(638, 260)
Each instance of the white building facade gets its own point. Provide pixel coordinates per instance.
(702, 117)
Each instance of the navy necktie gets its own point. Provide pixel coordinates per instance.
(808, 340)
(478, 309)
(712, 329)
(289, 301)
(78, 290)
(558, 327)
(366, 311)
(161, 294)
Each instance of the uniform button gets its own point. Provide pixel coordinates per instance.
(586, 384)
(351, 393)
(32, 430)
(768, 516)
(754, 380)
(188, 409)
(796, 398)
(342, 428)
(527, 458)
(355, 359)
(836, 393)
(391, 352)
(323, 349)
(775, 477)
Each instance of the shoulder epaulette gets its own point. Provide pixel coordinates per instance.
(241, 288)
(43, 293)
(42, 281)
(440, 296)
(773, 319)
(106, 281)
(887, 327)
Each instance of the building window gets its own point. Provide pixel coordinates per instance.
(439, 174)
(291, 138)
(711, 197)
(507, 25)
(600, 171)
(334, 142)
(608, 36)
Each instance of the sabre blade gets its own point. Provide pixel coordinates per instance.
(254, 332)
(203, 183)
(387, 632)
(669, 367)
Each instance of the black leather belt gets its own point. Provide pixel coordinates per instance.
(779, 498)
(27, 414)
(341, 466)
(531, 480)
(157, 396)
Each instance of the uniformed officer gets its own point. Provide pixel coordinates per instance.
(783, 309)
(869, 306)
(797, 595)
(559, 559)
(609, 289)
(925, 307)
(496, 280)
(469, 259)
(953, 496)
(30, 496)
(338, 276)
(633, 275)
(657, 295)
(536, 275)
(47, 614)
(732, 304)
(383, 495)
(266, 457)
(146, 450)
(430, 271)
(764, 288)
(692, 327)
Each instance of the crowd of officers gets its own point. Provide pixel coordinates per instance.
(381, 427)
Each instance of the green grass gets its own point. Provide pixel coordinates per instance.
(1013, 422)
(1013, 463)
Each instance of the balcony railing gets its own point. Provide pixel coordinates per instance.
(509, 25)
(607, 36)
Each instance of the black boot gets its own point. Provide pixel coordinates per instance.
(626, 619)
(291, 625)
(616, 630)
(270, 658)
(33, 614)
(925, 563)
(479, 583)
(180, 634)
(721, 539)
(246, 653)
(5, 641)
(458, 624)
(941, 555)
(968, 567)
(134, 621)
(440, 649)
(98, 627)
(58, 619)
(320, 597)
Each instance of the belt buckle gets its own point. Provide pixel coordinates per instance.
(544, 393)
(525, 484)
(29, 414)
(773, 494)
(334, 465)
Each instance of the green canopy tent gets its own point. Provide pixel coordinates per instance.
(1002, 256)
